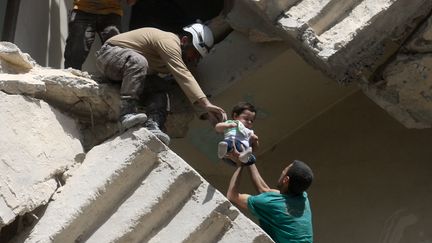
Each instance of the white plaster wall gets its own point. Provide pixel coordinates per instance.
(41, 30)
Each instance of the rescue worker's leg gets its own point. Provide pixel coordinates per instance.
(156, 109)
(81, 35)
(124, 64)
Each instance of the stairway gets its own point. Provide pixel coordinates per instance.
(133, 188)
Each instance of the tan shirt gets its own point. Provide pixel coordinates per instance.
(163, 53)
(99, 6)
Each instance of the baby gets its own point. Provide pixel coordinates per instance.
(238, 132)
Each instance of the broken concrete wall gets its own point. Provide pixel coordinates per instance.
(95, 105)
(351, 41)
(38, 144)
(404, 86)
(347, 39)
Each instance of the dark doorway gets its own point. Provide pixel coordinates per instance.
(172, 15)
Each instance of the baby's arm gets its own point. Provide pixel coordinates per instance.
(254, 142)
(221, 126)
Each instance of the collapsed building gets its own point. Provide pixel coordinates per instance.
(343, 85)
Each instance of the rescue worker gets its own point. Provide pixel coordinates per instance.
(87, 18)
(131, 56)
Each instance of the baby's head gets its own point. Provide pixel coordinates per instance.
(245, 113)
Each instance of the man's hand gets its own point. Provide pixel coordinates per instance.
(234, 155)
(215, 114)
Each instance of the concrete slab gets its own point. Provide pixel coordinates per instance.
(38, 143)
(134, 189)
(96, 189)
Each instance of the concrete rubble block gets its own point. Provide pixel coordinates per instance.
(6, 213)
(21, 84)
(251, 19)
(108, 174)
(198, 228)
(239, 234)
(346, 38)
(296, 18)
(406, 90)
(78, 95)
(12, 60)
(134, 189)
(162, 192)
(38, 143)
(333, 37)
(95, 104)
(421, 40)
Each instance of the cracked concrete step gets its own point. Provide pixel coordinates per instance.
(169, 195)
(345, 38)
(215, 221)
(133, 189)
(296, 18)
(332, 13)
(106, 176)
(345, 30)
(162, 193)
(204, 225)
(239, 234)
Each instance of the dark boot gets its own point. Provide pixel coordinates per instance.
(153, 127)
(129, 116)
(156, 109)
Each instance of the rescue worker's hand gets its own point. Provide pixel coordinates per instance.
(215, 114)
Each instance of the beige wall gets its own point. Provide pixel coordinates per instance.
(372, 174)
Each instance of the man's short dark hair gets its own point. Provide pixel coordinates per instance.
(300, 177)
(242, 106)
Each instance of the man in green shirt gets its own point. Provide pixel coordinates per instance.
(284, 214)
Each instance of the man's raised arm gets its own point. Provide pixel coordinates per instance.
(259, 183)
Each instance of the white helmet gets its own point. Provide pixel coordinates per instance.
(202, 37)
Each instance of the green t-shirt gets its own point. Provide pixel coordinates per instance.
(285, 218)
